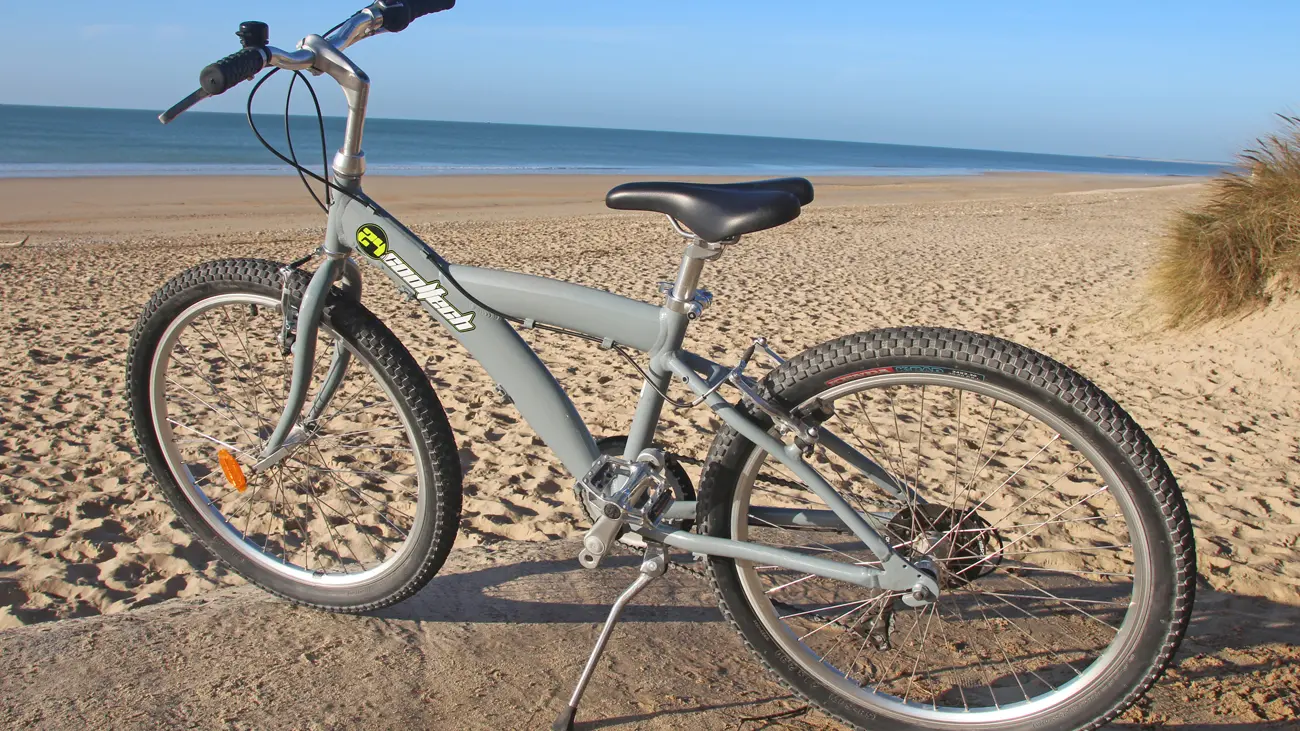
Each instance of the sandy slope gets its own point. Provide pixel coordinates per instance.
(82, 533)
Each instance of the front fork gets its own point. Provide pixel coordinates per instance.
(299, 333)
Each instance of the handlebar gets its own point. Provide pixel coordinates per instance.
(398, 15)
(382, 16)
(219, 77)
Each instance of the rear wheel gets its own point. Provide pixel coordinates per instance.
(1058, 536)
(363, 510)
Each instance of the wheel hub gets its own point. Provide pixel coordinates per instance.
(956, 546)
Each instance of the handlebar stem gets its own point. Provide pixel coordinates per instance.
(350, 161)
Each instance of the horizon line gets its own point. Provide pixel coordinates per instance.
(655, 131)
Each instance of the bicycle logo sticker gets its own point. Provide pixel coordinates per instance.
(372, 240)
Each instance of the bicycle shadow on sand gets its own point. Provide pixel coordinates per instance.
(1238, 668)
(557, 591)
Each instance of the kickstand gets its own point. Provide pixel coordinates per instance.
(653, 565)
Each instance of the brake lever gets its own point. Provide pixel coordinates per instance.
(183, 105)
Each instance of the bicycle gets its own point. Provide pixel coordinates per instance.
(882, 500)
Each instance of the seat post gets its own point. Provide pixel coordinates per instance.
(688, 277)
(682, 295)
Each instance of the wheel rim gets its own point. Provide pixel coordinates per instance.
(337, 512)
(980, 622)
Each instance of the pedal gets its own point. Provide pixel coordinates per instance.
(641, 499)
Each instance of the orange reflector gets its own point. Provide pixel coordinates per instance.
(234, 473)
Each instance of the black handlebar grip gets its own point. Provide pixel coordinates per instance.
(421, 8)
(230, 71)
(399, 13)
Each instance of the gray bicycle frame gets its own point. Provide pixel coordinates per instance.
(465, 299)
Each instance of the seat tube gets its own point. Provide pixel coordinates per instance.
(673, 321)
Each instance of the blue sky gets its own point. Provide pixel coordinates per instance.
(1185, 80)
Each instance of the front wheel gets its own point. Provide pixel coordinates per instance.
(1060, 541)
(364, 508)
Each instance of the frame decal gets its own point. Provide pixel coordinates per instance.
(431, 292)
(372, 240)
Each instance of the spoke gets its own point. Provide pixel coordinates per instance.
(978, 655)
(1050, 521)
(357, 525)
(225, 356)
(1071, 603)
(318, 440)
(224, 412)
(338, 411)
(1114, 547)
(1045, 522)
(248, 385)
(1046, 595)
(219, 409)
(898, 436)
(261, 385)
(1002, 650)
(884, 446)
(1068, 571)
(334, 535)
(1055, 655)
(377, 404)
(823, 609)
(911, 678)
(988, 427)
(1022, 503)
(363, 497)
(850, 629)
(889, 598)
(987, 462)
(1040, 491)
(386, 475)
(284, 533)
(789, 584)
(840, 618)
(943, 629)
(212, 439)
(1020, 469)
(891, 675)
(956, 461)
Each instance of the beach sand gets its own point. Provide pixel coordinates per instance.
(1057, 263)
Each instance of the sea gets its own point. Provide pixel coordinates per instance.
(69, 141)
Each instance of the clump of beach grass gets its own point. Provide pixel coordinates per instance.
(1241, 248)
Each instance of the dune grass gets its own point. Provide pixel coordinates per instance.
(1241, 248)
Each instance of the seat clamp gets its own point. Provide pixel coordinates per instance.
(681, 307)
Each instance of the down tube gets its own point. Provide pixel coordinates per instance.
(410, 263)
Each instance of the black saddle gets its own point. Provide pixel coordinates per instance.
(716, 212)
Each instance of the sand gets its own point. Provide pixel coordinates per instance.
(496, 641)
(1055, 262)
